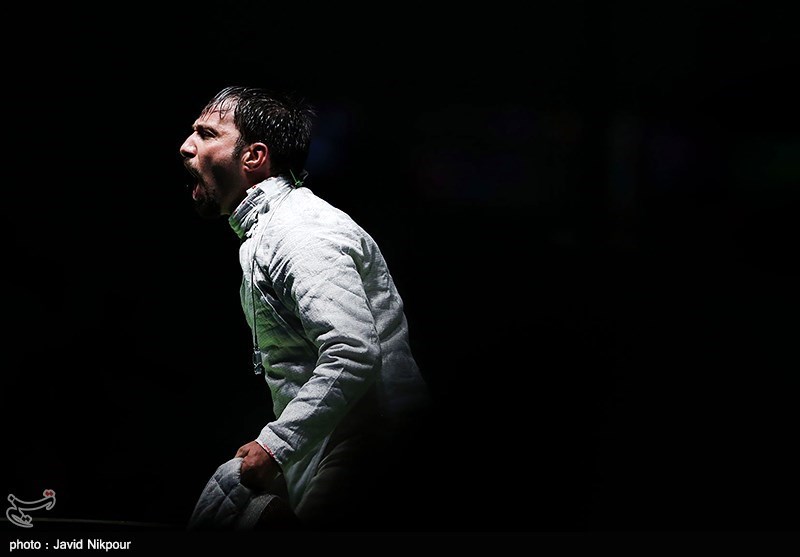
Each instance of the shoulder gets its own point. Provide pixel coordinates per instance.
(309, 222)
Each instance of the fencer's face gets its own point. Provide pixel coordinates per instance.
(208, 155)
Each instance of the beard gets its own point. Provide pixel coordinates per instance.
(216, 184)
(210, 195)
(206, 203)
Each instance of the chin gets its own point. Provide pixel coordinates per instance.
(207, 209)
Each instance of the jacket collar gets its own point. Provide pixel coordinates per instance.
(259, 199)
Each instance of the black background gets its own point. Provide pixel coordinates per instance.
(590, 210)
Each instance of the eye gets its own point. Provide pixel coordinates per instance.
(204, 133)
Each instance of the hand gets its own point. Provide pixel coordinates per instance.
(258, 466)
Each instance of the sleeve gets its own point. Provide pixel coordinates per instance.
(322, 277)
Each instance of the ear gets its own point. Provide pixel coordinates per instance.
(255, 157)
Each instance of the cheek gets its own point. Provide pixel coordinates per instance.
(220, 158)
(224, 175)
(212, 163)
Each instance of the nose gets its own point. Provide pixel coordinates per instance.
(188, 149)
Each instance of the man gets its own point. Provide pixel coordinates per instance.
(329, 331)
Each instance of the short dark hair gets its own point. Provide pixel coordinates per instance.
(283, 122)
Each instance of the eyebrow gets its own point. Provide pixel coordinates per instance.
(199, 127)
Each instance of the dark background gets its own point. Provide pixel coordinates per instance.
(590, 210)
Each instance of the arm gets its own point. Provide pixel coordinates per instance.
(321, 276)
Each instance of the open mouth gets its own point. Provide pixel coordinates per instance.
(194, 184)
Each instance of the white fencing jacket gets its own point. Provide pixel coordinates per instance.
(328, 322)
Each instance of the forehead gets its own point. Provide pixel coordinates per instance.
(218, 118)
